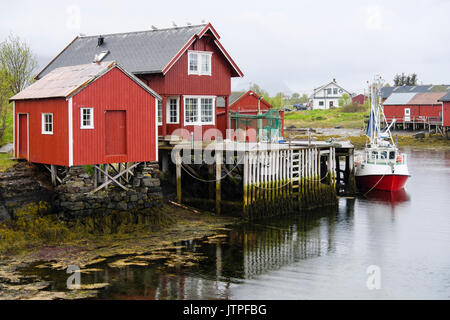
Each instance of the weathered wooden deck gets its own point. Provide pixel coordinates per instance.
(272, 178)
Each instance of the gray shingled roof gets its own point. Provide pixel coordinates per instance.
(138, 52)
(445, 98)
(234, 96)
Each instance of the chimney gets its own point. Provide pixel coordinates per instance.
(100, 41)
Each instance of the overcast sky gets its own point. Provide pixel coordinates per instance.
(289, 46)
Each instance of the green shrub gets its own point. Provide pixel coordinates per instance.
(353, 107)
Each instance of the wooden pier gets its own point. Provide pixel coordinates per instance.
(259, 179)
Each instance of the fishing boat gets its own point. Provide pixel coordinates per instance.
(382, 166)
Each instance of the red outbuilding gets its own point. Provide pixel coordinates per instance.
(96, 113)
(414, 108)
(248, 103)
(360, 99)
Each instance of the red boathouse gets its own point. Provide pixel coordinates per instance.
(95, 113)
(414, 108)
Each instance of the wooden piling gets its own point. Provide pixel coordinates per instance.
(178, 175)
(53, 174)
(218, 181)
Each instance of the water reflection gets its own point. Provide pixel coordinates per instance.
(391, 198)
(319, 254)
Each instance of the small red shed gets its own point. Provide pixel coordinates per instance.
(247, 103)
(359, 99)
(93, 113)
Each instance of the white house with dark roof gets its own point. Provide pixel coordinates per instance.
(327, 96)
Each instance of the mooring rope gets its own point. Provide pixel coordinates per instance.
(374, 185)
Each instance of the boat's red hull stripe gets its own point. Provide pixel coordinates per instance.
(380, 182)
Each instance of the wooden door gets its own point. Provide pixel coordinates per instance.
(407, 114)
(115, 132)
(22, 138)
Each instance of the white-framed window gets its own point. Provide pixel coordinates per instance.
(172, 111)
(47, 123)
(199, 62)
(207, 110)
(190, 110)
(199, 110)
(320, 103)
(87, 118)
(159, 113)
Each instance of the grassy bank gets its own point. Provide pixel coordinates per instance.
(433, 142)
(116, 233)
(5, 161)
(325, 119)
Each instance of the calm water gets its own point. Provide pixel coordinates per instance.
(320, 255)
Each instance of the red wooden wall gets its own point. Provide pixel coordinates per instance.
(417, 111)
(45, 148)
(177, 83)
(248, 104)
(115, 91)
(446, 114)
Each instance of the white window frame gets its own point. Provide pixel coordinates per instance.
(91, 126)
(158, 103)
(43, 131)
(199, 111)
(168, 116)
(199, 55)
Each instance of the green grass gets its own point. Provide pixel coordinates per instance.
(6, 161)
(324, 119)
(8, 134)
(359, 142)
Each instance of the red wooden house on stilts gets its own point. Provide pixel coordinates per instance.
(96, 113)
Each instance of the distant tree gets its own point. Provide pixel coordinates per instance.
(17, 64)
(405, 80)
(18, 60)
(397, 80)
(344, 100)
(295, 96)
(304, 98)
(258, 90)
(5, 93)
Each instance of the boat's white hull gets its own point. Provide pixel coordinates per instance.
(381, 176)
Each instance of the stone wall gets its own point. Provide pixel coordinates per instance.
(27, 183)
(73, 200)
(21, 185)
